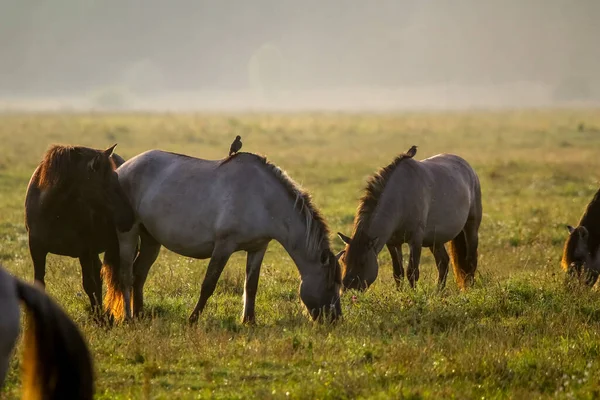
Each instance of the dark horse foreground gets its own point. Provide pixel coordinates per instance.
(73, 204)
(580, 254)
(56, 361)
(423, 203)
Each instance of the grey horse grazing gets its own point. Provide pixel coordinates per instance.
(56, 361)
(210, 209)
(425, 204)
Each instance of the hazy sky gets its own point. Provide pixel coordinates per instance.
(152, 47)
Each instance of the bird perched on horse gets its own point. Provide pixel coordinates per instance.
(235, 146)
(412, 151)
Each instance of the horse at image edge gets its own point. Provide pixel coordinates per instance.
(582, 246)
(56, 361)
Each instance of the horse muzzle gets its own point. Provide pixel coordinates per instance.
(355, 284)
(328, 314)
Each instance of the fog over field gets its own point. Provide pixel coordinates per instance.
(278, 54)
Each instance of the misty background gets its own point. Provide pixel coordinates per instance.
(286, 54)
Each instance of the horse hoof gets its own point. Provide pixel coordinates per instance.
(193, 319)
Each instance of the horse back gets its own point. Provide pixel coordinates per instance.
(452, 177)
(440, 194)
(185, 202)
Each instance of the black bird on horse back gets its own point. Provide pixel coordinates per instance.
(236, 145)
(412, 151)
(73, 206)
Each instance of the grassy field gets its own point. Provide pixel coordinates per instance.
(519, 333)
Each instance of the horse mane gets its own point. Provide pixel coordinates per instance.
(375, 186)
(56, 168)
(368, 202)
(317, 231)
(591, 220)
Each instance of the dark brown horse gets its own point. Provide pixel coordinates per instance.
(73, 206)
(580, 254)
(56, 361)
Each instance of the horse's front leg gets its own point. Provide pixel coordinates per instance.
(219, 258)
(412, 272)
(38, 256)
(149, 250)
(253, 264)
(396, 254)
(128, 245)
(92, 281)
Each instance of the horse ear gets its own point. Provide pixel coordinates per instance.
(571, 229)
(340, 254)
(325, 257)
(108, 152)
(344, 238)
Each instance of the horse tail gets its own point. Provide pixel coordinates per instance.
(114, 299)
(56, 363)
(458, 254)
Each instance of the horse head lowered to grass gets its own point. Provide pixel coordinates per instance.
(73, 206)
(425, 204)
(581, 250)
(211, 209)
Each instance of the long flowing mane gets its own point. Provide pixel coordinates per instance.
(373, 191)
(368, 202)
(58, 167)
(317, 232)
(591, 220)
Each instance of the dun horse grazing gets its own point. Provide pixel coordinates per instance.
(73, 203)
(580, 254)
(57, 363)
(210, 209)
(425, 204)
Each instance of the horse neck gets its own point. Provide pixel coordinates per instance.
(68, 198)
(294, 236)
(379, 223)
(57, 196)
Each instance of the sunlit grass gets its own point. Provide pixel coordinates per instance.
(519, 333)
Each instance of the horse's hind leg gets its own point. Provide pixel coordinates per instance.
(396, 254)
(92, 282)
(253, 263)
(471, 232)
(412, 271)
(219, 258)
(149, 250)
(128, 245)
(38, 256)
(442, 260)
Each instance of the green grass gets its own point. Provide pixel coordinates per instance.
(519, 333)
